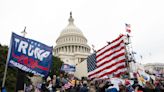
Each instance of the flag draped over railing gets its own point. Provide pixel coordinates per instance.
(109, 60)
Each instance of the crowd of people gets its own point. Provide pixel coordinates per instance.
(68, 83)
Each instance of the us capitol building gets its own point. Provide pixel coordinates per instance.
(71, 46)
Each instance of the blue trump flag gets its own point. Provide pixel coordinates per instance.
(29, 55)
(68, 68)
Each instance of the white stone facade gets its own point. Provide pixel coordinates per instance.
(71, 46)
(81, 69)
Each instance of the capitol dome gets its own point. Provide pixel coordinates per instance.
(71, 45)
(71, 28)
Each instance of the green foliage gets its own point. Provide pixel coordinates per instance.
(11, 72)
(56, 65)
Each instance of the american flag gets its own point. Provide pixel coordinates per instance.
(128, 28)
(91, 63)
(67, 85)
(110, 60)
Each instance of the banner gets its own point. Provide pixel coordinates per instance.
(29, 55)
(68, 68)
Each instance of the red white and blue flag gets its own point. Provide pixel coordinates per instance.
(29, 55)
(109, 60)
(128, 28)
(68, 68)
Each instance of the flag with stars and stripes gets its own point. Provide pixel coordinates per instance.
(91, 63)
(128, 28)
(109, 60)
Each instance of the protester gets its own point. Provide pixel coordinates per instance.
(111, 87)
(36, 82)
(122, 88)
(92, 87)
(3, 89)
(148, 87)
(54, 82)
(66, 82)
(129, 87)
(84, 88)
(137, 87)
(159, 87)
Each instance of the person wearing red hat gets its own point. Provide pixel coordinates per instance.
(129, 87)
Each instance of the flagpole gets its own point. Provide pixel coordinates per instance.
(127, 55)
(24, 32)
(93, 48)
(6, 66)
(4, 77)
(129, 50)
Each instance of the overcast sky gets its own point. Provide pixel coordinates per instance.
(99, 20)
